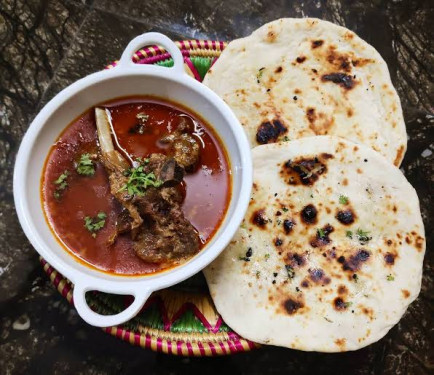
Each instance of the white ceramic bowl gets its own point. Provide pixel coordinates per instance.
(126, 79)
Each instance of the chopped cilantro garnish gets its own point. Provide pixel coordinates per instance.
(284, 209)
(246, 259)
(343, 199)
(94, 224)
(139, 181)
(267, 256)
(61, 183)
(363, 235)
(258, 273)
(285, 138)
(347, 304)
(85, 166)
(390, 277)
(290, 271)
(320, 232)
(349, 234)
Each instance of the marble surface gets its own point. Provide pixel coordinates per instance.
(47, 44)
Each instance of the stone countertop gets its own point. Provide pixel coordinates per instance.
(48, 44)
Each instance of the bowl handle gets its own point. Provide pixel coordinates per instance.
(98, 320)
(152, 38)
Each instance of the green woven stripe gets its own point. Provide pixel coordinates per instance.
(202, 64)
(167, 63)
(187, 322)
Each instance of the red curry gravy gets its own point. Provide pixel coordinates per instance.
(207, 189)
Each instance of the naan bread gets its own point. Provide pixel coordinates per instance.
(330, 252)
(298, 78)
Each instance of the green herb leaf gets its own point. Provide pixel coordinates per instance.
(61, 183)
(390, 277)
(139, 181)
(267, 256)
(343, 199)
(347, 304)
(363, 236)
(285, 138)
(321, 233)
(246, 259)
(290, 271)
(284, 209)
(61, 180)
(94, 224)
(349, 234)
(85, 166)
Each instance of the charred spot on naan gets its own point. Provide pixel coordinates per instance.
(292, 305)
(288, 225)
(354, 262)
(304, 170)
(340, 61)
(316, 43)
(300, 59)
(389, 258)
(322, 236)
(318, 276)
(340, 305)
(309, 214)
(259, 218)
(295, 260)
(342, 79)
(311, 115)
(346, 217)
(278, 242)
(270, 131)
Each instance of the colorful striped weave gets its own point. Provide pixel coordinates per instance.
(171, 322)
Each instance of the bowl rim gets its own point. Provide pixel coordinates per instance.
(139, 286)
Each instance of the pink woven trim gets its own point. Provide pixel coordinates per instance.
(212, 348)
(232, 348)
(179, 347)
(222, 346)
(189, 348)
(159, 344)
(201, 348)
(192, 69)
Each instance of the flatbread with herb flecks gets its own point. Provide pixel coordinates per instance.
(329, 255)
(295, 78)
